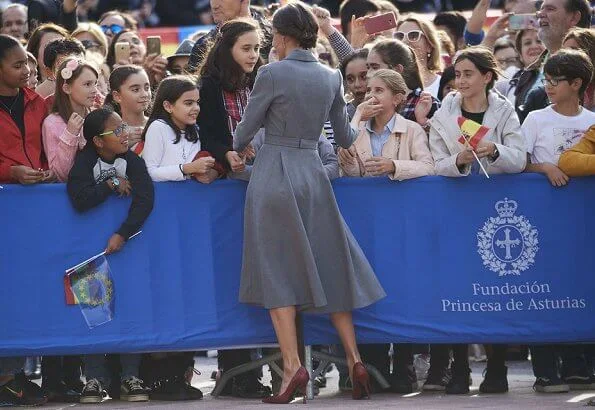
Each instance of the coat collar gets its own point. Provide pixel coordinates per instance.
(301, 54)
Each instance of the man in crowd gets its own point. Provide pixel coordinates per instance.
(14, 21)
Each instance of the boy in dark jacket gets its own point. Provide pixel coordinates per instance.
(103, 168)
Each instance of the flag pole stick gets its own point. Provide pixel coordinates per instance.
(95, 257)
(480, 165)
(475, 155)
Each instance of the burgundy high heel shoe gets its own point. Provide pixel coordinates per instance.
(297, 385)
(361, 382)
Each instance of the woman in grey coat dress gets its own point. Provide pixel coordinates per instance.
(298, 252)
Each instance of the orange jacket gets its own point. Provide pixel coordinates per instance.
(580, 160)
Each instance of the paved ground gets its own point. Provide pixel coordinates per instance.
(521, 396)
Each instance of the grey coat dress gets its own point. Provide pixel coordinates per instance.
(298, 251)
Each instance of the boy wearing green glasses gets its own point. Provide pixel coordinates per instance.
(104, 167)
(555, 129)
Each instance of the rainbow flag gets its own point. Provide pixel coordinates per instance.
(472, 132)
(90, 285)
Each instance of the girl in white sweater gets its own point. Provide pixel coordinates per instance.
(172, 148)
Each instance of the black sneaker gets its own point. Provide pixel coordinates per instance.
(553, 385)
(577, 382)
(320, 381)
(437, 380)
(402, 385)
(21, 392)
(133, 389)
(175, 389)
(249, 388)
(93, 392)
(459, 383)
(63, 393)
(494, 381)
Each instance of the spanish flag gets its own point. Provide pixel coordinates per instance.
(472, 132)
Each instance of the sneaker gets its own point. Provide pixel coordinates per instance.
(437, 380)
(494, 381)
(63, 393)
(421, 364)
(553, 385)
(93, 392)
(402, 385)
(175, 389)
(21, 392)
(133, 389)
(577, 382)
(459, 383)
(320, 381)
(249, 388)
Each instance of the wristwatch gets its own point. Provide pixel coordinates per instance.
(496, 154)
(116, 182)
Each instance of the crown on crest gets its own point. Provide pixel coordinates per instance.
(506, 208)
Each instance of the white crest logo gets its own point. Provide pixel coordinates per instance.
(507, 243)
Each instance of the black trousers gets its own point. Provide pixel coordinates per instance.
(55, 369)
(546, 361)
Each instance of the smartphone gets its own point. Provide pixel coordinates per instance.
(154, 45)
(522, 21)
(122, 52)
(382, 22)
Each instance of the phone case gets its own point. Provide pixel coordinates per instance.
(153, 45)
(380, 23)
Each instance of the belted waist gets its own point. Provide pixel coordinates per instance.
(291, 142)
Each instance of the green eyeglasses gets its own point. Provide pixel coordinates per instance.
(118, 132)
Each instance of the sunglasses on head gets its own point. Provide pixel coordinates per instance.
(114, 28)
(118, 132)
(413, 35)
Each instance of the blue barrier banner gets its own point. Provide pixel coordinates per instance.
(468, 260)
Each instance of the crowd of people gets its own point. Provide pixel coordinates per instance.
(75, 110)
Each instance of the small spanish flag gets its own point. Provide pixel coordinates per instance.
(472, 132)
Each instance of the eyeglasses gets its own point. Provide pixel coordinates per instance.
(412, 36)
(508, 61)
(114, 28)
(118, 132)
(553, 82)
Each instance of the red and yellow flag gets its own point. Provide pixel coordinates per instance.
(472, 132)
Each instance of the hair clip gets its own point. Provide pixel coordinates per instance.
(66, 72)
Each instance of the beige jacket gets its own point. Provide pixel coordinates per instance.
(407, 146)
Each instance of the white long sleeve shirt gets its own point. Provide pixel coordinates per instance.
(163, 157)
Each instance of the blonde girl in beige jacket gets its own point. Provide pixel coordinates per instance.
(387, 143)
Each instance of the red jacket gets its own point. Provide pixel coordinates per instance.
(16, 149)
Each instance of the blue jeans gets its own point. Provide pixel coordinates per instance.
(11, 365)
(95, 367)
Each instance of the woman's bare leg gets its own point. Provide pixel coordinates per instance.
(284, 323)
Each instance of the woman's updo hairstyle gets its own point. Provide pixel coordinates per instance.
(295, 20)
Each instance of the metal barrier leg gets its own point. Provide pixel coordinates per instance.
(308, 365)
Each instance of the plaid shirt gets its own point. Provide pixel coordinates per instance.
(408, 110)
(235, 103)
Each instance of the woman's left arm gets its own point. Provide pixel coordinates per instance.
(260, 100)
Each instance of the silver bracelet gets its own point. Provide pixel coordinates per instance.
(182, 169)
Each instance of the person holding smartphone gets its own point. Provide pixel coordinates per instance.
(154, 64)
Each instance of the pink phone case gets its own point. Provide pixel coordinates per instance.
(380, 23)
